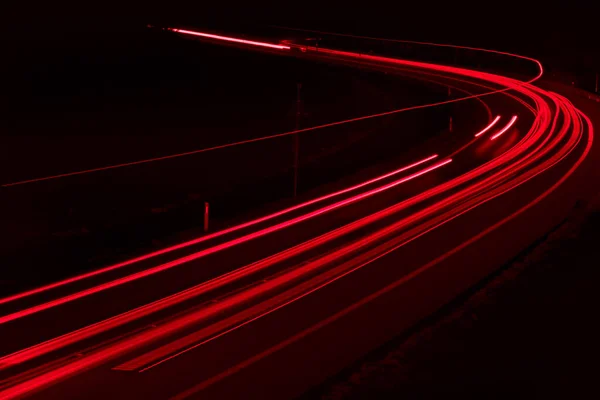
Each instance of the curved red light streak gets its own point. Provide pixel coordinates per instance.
(507, 127)
(487, 128)
(208, 382)
(212, 235)
(211, 250)
(543, 146)
(203, 288)
(174, 349)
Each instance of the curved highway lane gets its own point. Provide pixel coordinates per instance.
(249, 311)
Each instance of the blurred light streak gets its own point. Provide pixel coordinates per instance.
(211, 250)
(487, 128)
(212, 235)
(520, 163)
(507, 127)
(231, 39)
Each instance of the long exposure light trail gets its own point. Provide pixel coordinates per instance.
(174, 349)
(507, 127)
(257, 357)
(227, 278)
(216, 234)
(212, 235)
(231, 39)
(487, 128)
(557, 131)
(212, 250)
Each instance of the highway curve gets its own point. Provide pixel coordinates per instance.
(273, 306)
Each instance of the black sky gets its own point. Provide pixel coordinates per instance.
(540, 28)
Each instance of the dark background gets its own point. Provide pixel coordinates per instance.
(545, 24)
(563, 34)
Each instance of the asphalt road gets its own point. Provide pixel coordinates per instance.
(273, 308)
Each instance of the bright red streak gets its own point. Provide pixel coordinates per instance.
(205, 287)
(231, 39)
(133, 342)
(507, 127)
(214, 249)
(212, 235)
(157, 353)
(487, 128)
(512, 171)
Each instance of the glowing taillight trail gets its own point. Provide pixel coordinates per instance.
(173, 349)
(214, 249)
(201, 289)
(507, 127)
(213, 235)
(517, 164)
(487, 128)
(248, 362)
(131, 343)
(231, 39)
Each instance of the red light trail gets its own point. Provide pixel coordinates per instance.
(231, 39)
(211, 250)
(507, 127)
(212, 235)
(487, 128)
(557, 130)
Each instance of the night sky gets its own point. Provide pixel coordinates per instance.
(505, 20)
(562, 35)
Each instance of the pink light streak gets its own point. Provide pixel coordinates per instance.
(507, 127)
(231, 39)
(487, 128)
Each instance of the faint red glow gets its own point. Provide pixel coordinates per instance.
(384, 59)
(504, 53)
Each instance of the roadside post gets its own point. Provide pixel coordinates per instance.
(206, 212)
(296, 137)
